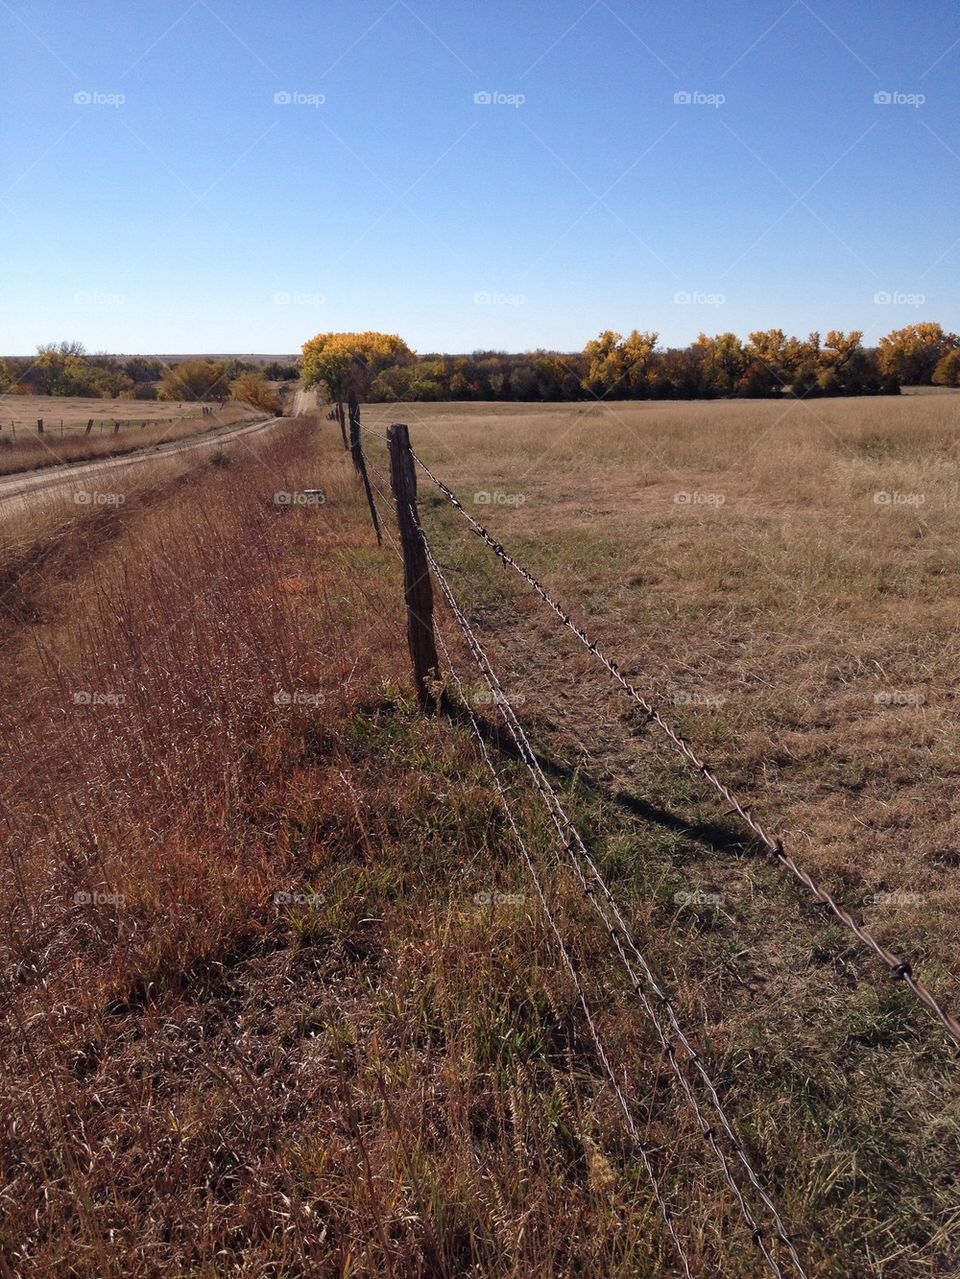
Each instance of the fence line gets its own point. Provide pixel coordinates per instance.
(620, 935)
(900, 969)
(638, 1145)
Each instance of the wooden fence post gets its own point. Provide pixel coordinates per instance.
(39, 425)
(360, 463)
(89, 426)
(343, 424)
(355, 453)
(417, 586)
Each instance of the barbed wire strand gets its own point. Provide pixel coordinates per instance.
(900, 968)
(568, 831)
(565, 828)
(638, 1145)
(618, 1092)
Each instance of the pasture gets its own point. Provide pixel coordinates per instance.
(292, 1001)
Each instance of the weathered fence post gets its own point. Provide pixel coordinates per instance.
(354, 408)
(343, 424)
(89, 426)
(360, 463)
(39, 425)
(417, 587)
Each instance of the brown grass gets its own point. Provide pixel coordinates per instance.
(381, 1073)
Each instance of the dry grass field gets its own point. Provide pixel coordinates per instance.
(279, 996)
(119, 426)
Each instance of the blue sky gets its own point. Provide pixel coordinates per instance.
(177, 204)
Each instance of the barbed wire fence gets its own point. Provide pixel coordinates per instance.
(656, 1004)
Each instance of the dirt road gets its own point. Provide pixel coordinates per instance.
(26, 484)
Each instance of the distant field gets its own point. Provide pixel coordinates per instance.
(119, 426)
(75, 411)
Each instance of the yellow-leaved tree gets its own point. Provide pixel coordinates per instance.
(913, 353)
(346, 363)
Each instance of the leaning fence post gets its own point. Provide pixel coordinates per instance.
(360, 463)
(89, 426)
(417, 587)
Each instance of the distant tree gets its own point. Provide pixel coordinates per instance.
(723, 363)
(253, 388)
(195, 380)
(768, 349)
(604, 357)
(840, 348)
(800, 352)
(947, 372)
(805, 383)
(619, 366)
(912, 354)
(140, 369)
(759, 381)
(277, 372)
(349, 362)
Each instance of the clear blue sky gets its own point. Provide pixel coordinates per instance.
(199, 214)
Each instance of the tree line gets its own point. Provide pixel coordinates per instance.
(66, 368)
(382, 368)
